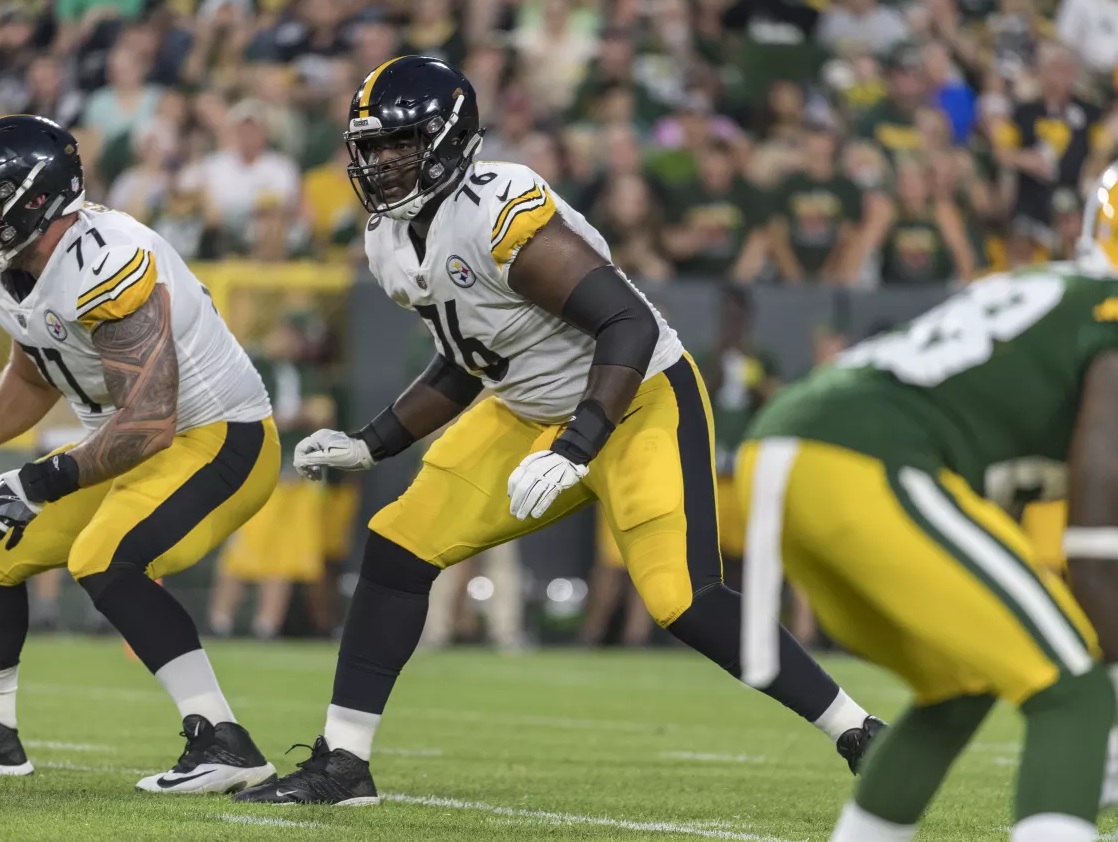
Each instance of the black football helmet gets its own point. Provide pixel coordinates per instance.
(426, 112)
(41, 179)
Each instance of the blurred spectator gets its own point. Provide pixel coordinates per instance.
(817, 212)
(1054, 141)
(326, 117)
(924, 240)
(221, 35)
(273, 86)
(335, 218)
(851, 26)
(1067, 220)
(374, 40)
(182, 222)
(716, 223)
(1089, 28)
(682, 137)
(283, 543)
(949, 90)
(614, 69)
(631, 223)
(46, 95)
(892, 122)
(272, 234)
(784, 118)
(433, 31)
(544, 153)
(554, 39)
(515, 122)
(125, 103)
(17, 54)
(141, 189)
(1014, 31)
(238, 178)
(311, 36)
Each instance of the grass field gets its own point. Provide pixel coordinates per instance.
(559, 745)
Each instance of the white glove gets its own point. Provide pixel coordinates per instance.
(331, 449)
(537, 481)
(16, 511)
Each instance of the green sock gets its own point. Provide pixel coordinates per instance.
(906, 767)
(1065, 747)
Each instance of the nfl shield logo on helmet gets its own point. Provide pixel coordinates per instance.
(459, 271)
(55, 326)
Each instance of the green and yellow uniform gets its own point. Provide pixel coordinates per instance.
(882, 483)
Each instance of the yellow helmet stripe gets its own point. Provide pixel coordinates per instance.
(371, 80)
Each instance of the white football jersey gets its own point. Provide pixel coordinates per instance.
(533, 361)
(105, 267)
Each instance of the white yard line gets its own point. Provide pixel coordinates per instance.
(707, 829)
(80, 767)
(235, 819)
(555, 818)
(409, 752)
(706, 757)
(55, 745)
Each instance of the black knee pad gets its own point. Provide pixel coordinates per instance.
(391, 566)
(712, 626)
(95, 584)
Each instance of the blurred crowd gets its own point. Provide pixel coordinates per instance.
(847, 142)
(839, 141)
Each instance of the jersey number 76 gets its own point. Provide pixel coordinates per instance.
(475, 356)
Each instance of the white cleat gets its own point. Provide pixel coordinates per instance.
(218, 759)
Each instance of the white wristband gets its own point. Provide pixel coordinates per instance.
(1099, 542)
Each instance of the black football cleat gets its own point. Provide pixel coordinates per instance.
(853, 744)
(13, 759)
(218, 758)
(335, 777)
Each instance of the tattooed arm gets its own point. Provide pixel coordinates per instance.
(142, 375)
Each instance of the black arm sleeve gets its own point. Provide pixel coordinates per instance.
(451, 381)
(604, 305)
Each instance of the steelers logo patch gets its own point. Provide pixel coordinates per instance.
(460, 272)
(55, 326)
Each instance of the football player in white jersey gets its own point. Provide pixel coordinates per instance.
(594, 399)
(180, 447)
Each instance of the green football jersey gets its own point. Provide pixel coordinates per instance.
(987, 384)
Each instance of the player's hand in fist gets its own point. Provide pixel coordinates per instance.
(16, 511)
(331, 449)
(539, 479)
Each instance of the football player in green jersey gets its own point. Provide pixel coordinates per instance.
(882, 483)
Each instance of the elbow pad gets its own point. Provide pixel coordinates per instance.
(606, 306)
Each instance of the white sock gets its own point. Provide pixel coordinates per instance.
(190, 681)
(856, 825)
(8, 683)
(843, 714)
(1053, 827)
(351, 730)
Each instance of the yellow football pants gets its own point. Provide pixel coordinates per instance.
(163, 515)
(654, 478)
(914, 572)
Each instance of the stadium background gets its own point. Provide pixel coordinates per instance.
(843, 163)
